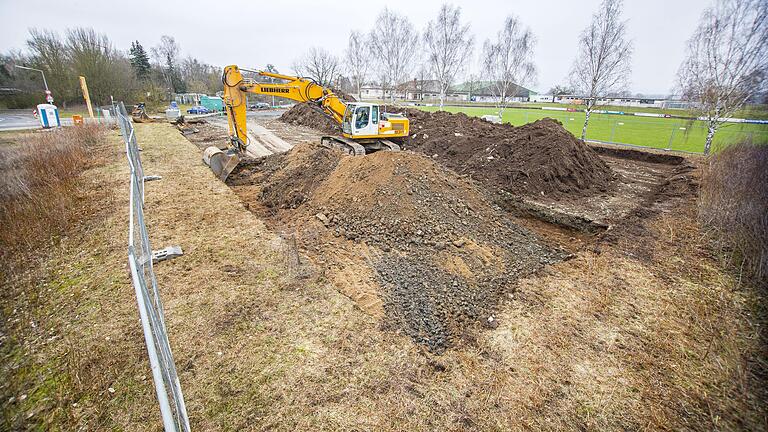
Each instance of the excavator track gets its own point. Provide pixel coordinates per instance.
(356, 148)
(389, 145)
(344, 144)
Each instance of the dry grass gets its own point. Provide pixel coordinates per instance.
(605, 341)
(38, 184)
(734, 206)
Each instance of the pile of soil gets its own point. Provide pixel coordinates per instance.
(303, 114)
(534, 160)
(537, 159)
(443, 256)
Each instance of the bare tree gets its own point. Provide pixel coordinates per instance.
(166, 54)
(508, 61)
(603, 63)
(358, 58)
(559, 90)
(727, 60)
(49, 53)
(448, 45)
(320, 65)
(395, 44)
(200, 77)
(108, 72)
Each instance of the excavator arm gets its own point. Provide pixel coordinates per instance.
(299, 89)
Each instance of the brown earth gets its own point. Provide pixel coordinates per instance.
(441, 253)
(537, 159)
(305, 115)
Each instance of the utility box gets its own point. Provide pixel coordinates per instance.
(213, 103)
(48, 115)
(172, 113)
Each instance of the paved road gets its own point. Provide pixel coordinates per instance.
(23, 119)
(17, 119)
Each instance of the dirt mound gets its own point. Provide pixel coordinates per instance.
(539, 158)
(305, 115)
(442, 255)
(536, 159)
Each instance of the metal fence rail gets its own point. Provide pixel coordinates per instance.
(140, 257)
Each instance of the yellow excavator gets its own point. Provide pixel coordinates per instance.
(365, 127)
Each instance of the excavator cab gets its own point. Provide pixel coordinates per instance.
(361, 120)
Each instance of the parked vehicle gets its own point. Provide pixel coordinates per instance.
(259, 106)
(198, 109)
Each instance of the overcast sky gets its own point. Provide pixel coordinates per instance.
(252, 34)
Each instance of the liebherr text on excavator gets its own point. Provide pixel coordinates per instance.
(365, 127)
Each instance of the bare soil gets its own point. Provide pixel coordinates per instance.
(442, 254)
(537, 159)
(306, 115)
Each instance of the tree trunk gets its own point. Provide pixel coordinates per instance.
(442, 99)
(587, 112)
(710, 135)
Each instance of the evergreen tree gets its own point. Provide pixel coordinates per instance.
(139, 60)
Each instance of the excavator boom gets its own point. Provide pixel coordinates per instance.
(236, 88)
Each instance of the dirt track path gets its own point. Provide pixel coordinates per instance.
(269, 135)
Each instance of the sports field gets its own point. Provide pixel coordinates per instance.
(665, 133)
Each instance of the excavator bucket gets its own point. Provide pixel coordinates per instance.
(139, 114)
(222, 163)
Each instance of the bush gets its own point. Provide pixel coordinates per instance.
(733, 206)
(38, 184)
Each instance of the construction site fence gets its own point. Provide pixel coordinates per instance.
(140, 257)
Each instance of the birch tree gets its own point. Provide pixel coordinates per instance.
(358, 58)
(395, 42)
(727, 61)
(508, 61)
(320, 65)
(448, 46)
(603, 62)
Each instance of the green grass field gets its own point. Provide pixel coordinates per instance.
(664, 133)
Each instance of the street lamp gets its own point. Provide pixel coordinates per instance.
(45, 83)
(48, 96)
